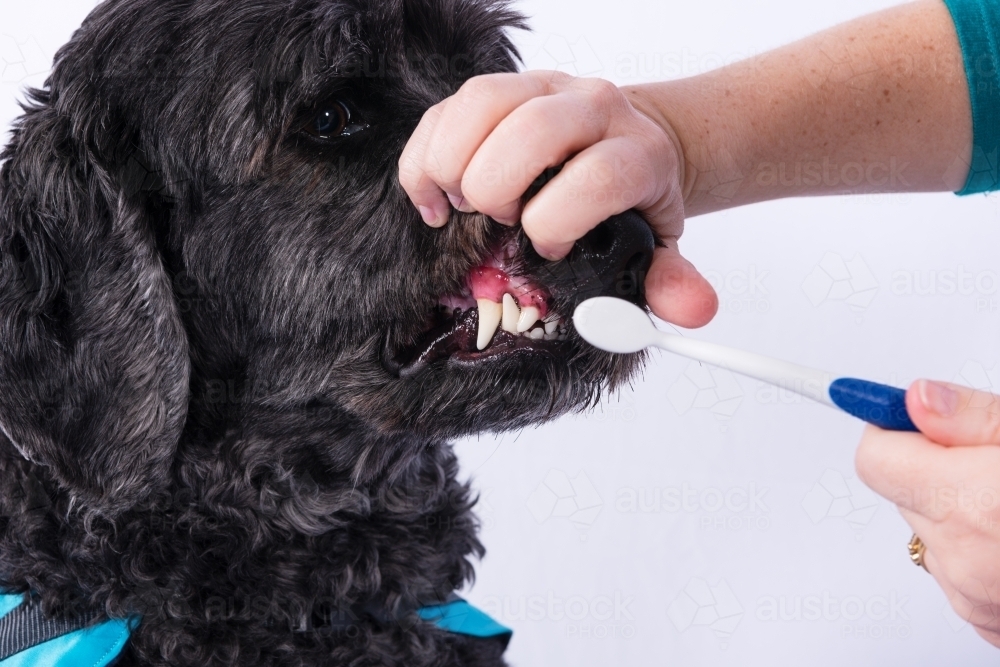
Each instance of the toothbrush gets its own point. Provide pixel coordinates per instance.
(618, 326)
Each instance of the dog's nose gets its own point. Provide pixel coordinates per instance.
(611, 260)
(614, 257)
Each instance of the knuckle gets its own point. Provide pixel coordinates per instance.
(866, 462)
(603, 93)
(481, 191)
(477, 192)
(992, 426)
(546, 234)
(481, 88)
(554, 79)
(409, 171)
(439, 169)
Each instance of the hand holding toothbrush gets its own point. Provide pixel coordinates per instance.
(945, 481)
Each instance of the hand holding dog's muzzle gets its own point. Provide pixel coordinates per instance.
(484, 147)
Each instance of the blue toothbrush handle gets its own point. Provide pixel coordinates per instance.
(875, 403)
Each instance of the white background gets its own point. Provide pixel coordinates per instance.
(861, 286)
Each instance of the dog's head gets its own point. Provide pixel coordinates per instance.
(203, 236)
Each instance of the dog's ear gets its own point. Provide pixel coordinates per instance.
(94, 363)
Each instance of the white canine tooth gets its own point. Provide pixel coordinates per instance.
(529, 316)
(536, 334)
(550, 327)
(490, 313)
(511, 313)
(551, 336)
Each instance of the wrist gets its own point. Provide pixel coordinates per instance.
(644, 99)
(704, 120)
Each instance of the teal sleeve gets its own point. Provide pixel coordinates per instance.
(978, 26)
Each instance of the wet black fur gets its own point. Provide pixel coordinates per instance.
(195, 299)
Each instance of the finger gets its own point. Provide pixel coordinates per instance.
(541, 133)
(470, 116)
(978, 613)
(921, 527)
(676, 292)
(605, 179)
(990, 636)
(953, 415)
(418, 185)
(959, 573)
(907, 469)
(938, 482)
(926, 531)
(934, 566)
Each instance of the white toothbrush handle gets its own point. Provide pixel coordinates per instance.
(808, 382)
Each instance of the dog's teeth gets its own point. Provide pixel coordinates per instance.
(552, 317)
(490, 314)
(511, 313)
(550, 327)
(536, 334)
(528, 318)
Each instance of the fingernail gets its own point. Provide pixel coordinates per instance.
(428, 214)
(456, 201)
(549, 254)
(938, 398)
(435, 215)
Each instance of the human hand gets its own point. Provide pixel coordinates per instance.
(946, 483)
(482, 148)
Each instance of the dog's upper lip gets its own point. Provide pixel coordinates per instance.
(478, 323)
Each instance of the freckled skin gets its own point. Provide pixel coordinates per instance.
(855, 94)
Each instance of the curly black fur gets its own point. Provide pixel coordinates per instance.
(194, 300)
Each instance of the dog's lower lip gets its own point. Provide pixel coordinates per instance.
(454, 342)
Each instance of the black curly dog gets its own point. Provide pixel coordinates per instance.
(227, 379)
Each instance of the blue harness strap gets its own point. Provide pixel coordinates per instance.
(29, 639)
(462, 618)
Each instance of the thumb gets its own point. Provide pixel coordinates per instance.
(952, 415)
(677, 293)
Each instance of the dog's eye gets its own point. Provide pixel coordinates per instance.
(333, 120)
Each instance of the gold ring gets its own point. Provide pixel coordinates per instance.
(917, 549)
